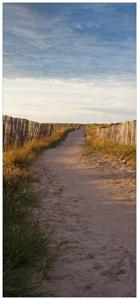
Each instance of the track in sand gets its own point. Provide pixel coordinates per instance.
(89, 204)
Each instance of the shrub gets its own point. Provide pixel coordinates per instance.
(24, 242)
(125, 153)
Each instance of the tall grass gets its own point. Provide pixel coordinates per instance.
(125, 153)
(25, 246)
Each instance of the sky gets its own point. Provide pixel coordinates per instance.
(69, 62)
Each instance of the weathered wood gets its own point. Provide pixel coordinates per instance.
(20, 131)
(122, 133)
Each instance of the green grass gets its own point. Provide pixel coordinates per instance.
(125, 153)
(25, 246)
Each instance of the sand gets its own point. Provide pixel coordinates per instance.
(89, 205)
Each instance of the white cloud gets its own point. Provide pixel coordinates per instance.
(107, 99)
(78, 26)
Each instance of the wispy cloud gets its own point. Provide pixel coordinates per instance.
(70, 62)
(68, 40)
(97, 100)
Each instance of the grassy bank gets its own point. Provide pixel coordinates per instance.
(26, 247)
(125, 153)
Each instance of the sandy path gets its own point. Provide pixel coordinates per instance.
(90, 205)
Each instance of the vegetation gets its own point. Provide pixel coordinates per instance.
(125, 153)
(24, 243)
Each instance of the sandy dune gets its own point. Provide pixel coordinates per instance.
(89, 204)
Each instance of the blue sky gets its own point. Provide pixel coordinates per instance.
(70, 62)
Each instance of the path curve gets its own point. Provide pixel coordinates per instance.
(89, 204)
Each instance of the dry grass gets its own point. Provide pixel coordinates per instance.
(25, 245)
(125, 153)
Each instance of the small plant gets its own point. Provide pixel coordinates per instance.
(25, 244)
(126, 153)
